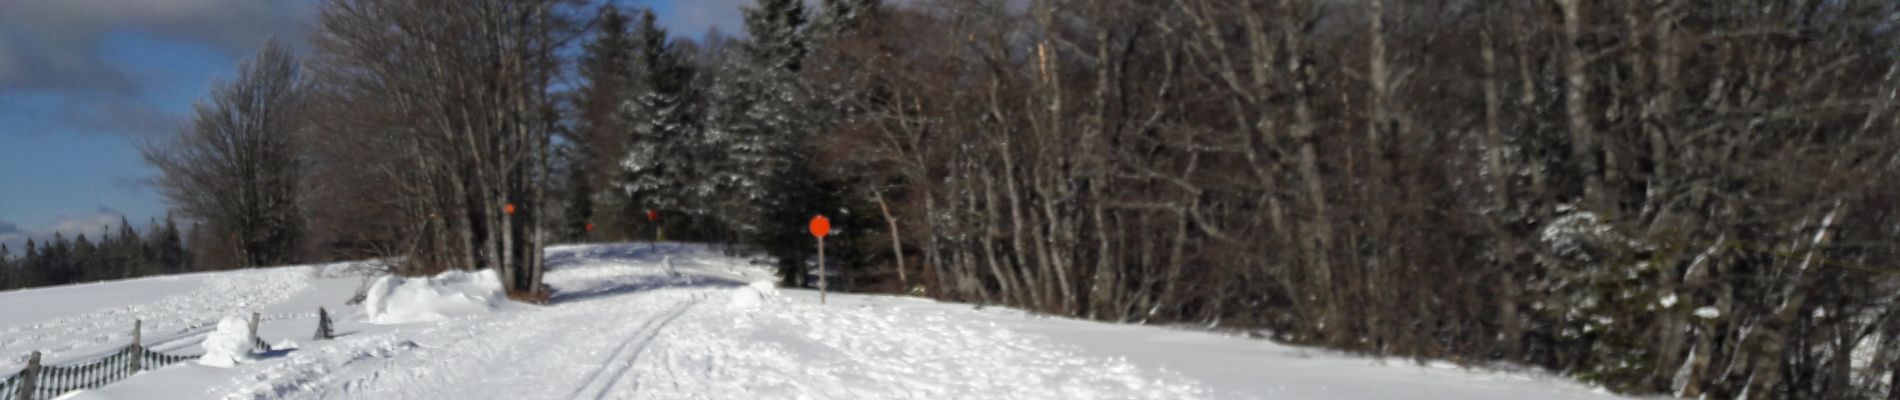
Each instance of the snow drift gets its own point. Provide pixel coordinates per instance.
(398, 300)
(229, 345)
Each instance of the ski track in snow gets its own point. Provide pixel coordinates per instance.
(623, 327)
(615, 368)
(665, 337)
(169, 323)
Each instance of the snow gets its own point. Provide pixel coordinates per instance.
(396, 300)
(87, 321)
(1708, 312)
(752, 296)
(1668, 300)
(623, 327)
(229, 345)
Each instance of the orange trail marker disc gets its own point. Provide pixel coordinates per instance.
(820, 227)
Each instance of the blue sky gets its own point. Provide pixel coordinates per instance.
(82, 82)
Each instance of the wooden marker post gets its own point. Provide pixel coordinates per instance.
(29, 378)
(820, 227)
(659, 232)
(138, 348)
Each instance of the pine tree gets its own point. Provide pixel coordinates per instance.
(606, 64)
(85, 259)
(169, 248)
(27, 271)
(764, 123)
(660, 164)
(757, 123)
(842, 16)
(6, 267)
(128, 251)
(579, 207)
(57, 267)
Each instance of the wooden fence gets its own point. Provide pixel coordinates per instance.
(42, 382)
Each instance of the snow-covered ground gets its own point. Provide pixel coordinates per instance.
(624, 327)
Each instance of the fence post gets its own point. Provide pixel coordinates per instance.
(323, 324)
(29, 378)
(257, 342)
(137, 351)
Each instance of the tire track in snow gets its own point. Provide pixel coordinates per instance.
(644, 336)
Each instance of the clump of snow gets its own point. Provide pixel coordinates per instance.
(1669, 300)
(398, 300)
(229, 345)
(753, 295)
(1708, 312)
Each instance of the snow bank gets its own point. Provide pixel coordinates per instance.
(229, 345)
(752, 296)
(398, 300)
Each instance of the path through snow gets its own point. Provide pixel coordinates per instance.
(624, 328)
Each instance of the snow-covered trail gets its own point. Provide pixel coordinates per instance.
(633, 331)
(626, 328)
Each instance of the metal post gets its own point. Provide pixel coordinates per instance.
(29, 378)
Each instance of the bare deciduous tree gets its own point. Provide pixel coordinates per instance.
(237, 168)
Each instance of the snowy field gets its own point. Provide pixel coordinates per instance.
(624, 327)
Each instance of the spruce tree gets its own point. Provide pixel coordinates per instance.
(27, 273)
(764, 123)
(85, 260)
(598, 139)
(57, 268)
(128, 251)
(6, 267)
(660, 164)
(169, 246)
(579, 210)
(842, 16)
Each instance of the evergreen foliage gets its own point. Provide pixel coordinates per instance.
(114, 256)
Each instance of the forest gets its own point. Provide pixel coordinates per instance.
(1682, 197)
(161, 250)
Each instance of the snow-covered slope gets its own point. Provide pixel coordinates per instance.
(626, 328)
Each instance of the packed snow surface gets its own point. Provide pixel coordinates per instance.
(624, 327)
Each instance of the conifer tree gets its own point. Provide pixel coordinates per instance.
(26, 273)
(169, 248)
(6, 267)
(763, 124)
(661, 161)
(599, 138)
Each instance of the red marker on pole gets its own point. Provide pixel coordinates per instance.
(659, 232)
(820, 227)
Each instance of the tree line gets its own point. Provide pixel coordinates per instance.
(1660, 196)
(126, 254)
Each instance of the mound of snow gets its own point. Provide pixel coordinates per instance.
(398, 300)
(753, 295)
(229, 345)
